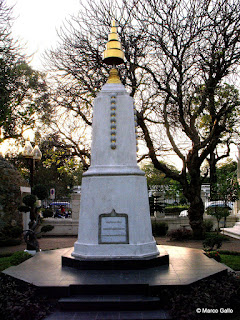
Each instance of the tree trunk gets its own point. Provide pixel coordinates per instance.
(213, 175)
(195, 215)
(192, 192)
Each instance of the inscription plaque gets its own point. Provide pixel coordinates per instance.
(113, 228)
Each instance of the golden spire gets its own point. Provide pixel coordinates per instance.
(113, 55)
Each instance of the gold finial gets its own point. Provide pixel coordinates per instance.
(113, 55)
(113, 76)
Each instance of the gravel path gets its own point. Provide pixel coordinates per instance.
(48, 243)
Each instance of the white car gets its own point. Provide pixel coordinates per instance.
(183, 213)
(219, 203)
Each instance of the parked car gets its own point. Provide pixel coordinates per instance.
(183, 213)
(62, 209)
(60, 203)
(220, 203)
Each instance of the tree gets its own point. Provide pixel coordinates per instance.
(195, 45)
(226, 187)
(23, 91)
(225, 93)
(177, 53)
(59, 168)
(157, 179)
(218, 213)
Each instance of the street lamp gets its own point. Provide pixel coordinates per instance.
(33, 154)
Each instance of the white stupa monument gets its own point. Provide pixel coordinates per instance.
(114, 220)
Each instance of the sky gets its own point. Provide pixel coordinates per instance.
(36, 23)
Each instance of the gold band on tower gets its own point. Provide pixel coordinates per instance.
(113, 55)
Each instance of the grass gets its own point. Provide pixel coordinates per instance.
(232, 261)
(13, 260)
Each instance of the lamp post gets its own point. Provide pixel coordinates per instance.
(33, 154)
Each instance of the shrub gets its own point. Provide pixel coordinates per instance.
(227, 252)
(23, 208)
(47, 228)
(29, 200)
(47, 213)
(159, 228)
(13, 259)
(9, 231)
(180, 234)
(21, 301)
(208, 225)
(212, 242)
(9, 242)
(218, 213)
(19, 257)
(40, 191)
(213, 234)
(10, 235)
(231, 260)
(222, 292)
(214, 255)
(10, 194)
(175, 209)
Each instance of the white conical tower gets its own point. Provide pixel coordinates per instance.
(114, 220)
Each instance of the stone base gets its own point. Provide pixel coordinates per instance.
(115, 251)
(32, 252)
(122, 202)
(233, 232)
(116, 264)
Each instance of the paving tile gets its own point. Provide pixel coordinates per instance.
(185, 263)
(59, 315)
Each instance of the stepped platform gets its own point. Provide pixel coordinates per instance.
(113, 294)
(233, 232)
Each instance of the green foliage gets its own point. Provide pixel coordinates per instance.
(207, 225)
(180, 234)
(24, 208)
(40, 191)
(155, 176)
(218, 213)
(159, 228)
(225, 94)
(47, 213)
(10, 195)
(214, 234)
(47, 228)
(19, 257)
(227, 187)
(29, 200)
(59, 169)
(23, 91)
(9, 242)
(233, 253)
(213, 255)
(10, 235)
(11, 231)
(221, 292)
(14, 259)
(231, 260)
(21, 301)
(213, 242)
(169, 187)
(175, 209)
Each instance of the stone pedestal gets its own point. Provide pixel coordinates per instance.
(75, 201)
(114, 220)
(26, 220)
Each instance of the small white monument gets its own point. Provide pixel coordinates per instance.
(114, 220)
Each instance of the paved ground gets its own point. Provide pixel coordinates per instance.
(48, 243)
